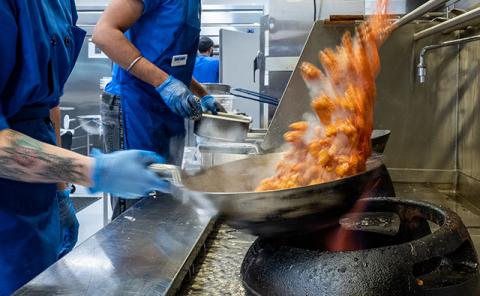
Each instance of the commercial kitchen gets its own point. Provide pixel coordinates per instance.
(408, 224)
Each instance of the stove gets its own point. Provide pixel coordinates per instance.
(385, 246)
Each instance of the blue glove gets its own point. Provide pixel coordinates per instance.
(180, 99)
(209, 104)
(68, 223)
(126, 173)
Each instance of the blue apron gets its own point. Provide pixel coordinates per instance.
(149, 123)
(29, 220)
(48, 44)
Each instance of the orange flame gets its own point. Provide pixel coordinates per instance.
(338, 145)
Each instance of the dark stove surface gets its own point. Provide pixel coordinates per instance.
(219, 273)
(360, 260)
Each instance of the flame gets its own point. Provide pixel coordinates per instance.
(343, 94)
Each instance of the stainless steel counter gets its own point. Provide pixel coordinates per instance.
(146, 251)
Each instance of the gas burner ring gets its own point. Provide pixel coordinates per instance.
(410, 261)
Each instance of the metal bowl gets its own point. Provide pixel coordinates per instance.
(217, 88)
(223, 127)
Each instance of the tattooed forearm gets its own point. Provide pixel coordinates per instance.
(25, 159)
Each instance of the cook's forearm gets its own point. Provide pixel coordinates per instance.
(197, 88)
(55, 117)
(120, 50)
(25, 159)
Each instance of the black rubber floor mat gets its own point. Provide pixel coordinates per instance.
(81, 202)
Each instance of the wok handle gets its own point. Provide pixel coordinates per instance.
(168, 172)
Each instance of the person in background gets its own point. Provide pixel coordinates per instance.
(207, 68)
(153, 44)
(39, 45)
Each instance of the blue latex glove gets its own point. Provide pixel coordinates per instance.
(126, 173)
(68, 223)
(209, 104)
(180, 99)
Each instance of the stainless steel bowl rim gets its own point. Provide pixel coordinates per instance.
(228, 117)
(333, 183)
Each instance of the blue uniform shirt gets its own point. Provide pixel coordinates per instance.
(37, 52)
(206, 69)
(167, 35)
(159, 19)
(39, 44)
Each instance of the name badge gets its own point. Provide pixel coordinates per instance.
(179, 60)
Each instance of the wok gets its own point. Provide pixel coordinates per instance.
(379, 140)
(229, 188)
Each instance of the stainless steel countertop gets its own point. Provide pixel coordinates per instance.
(146, 251)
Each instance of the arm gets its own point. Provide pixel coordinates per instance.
(25, 159)
(21, 157)
(197, 88)
(119, 16)
(55, 115)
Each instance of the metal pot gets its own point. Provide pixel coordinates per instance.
(217, 88)
(223, 127)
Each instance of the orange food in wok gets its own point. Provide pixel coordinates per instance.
(338, 145)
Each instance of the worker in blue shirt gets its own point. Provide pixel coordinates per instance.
(153, 44)
(39, 45)
(206, 66)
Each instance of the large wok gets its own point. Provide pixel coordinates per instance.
(230, 189)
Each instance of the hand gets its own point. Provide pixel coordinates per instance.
(210, 104)
(180, 99)
(126, 173)
(68, 222)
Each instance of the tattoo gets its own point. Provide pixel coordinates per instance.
(25, 159)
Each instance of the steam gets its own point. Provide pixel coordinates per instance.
(337, 142)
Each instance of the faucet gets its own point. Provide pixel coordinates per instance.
(422, 66)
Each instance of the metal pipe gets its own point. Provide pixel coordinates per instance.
(419, 11)
(461, 19)
(422, 67)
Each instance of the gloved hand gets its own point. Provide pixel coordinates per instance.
(68, 222)
(180, 99)
(210, 104)
(126, 173)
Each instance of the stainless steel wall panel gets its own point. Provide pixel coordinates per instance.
(421, 116)
(469, 188)
(422, 176)
(231, 17)
(88, 17)
(91, 4)
(469, 110)
(238, 51)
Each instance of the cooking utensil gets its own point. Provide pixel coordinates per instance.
(262, 98)
(224, 127)
(229, 188)
(218, 90)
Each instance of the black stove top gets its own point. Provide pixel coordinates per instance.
(385, 246)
